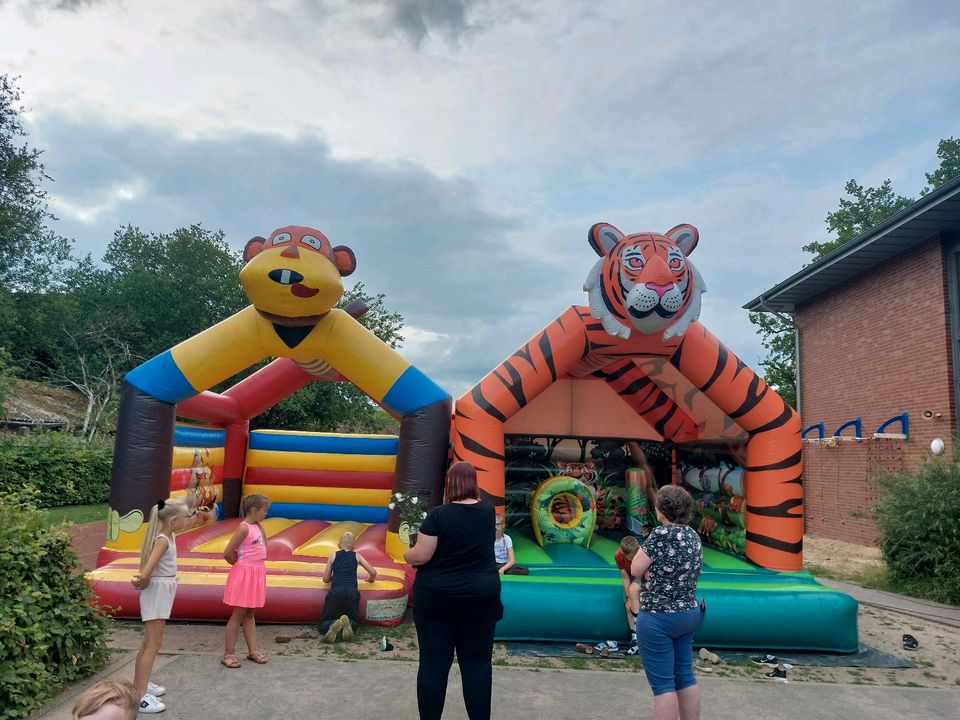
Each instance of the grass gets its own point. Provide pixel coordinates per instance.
(76, 514)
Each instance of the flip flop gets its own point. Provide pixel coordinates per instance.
(258, 657)
(910, 642)
(602, 648)
(584, 648)
(230, 661)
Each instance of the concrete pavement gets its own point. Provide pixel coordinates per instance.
(301, 688)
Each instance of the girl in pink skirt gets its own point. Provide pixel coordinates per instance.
(246, 587)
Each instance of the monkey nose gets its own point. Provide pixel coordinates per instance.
(290, 252)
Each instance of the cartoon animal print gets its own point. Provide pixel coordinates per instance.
(644, 297)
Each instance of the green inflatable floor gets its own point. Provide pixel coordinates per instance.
(575, 594)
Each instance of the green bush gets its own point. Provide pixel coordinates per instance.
(919, 521)
(50, 634)
(65, 470)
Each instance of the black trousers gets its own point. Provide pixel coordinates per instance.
(340, 601)
(438, 639)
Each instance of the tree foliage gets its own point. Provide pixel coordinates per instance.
(30, 254)
(861, 209)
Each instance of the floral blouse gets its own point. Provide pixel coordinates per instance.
(677, 561)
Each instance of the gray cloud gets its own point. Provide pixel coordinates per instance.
(417, 19)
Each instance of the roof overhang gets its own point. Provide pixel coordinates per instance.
(934, 214)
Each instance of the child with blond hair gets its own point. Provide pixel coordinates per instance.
(107, 700)
(623, 557)
(157, 582)
(246, 587)
(342, 605)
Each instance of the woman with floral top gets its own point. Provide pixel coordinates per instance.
(670, 561)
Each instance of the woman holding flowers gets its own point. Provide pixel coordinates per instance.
(456, 596)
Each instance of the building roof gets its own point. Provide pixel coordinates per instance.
(937, 212)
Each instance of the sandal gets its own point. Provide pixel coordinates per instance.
(230, 661)
(910, 642)
(584, 648)
(602, 648)
(258, 657)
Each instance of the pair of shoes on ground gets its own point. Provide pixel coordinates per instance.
(779, 672)
(230, 661)
(705, 659)
(342, 627)
(601, 648)
(150, 703)
(910, 642)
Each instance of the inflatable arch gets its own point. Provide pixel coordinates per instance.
(640, 336)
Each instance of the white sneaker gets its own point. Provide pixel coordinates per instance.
(156, 690)
(149, 704)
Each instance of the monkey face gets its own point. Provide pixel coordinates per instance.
(295, 273)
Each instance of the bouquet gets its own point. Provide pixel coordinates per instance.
(413, 510)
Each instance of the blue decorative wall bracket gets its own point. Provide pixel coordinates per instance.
(819, 427)
(856, 423)
(903, 419)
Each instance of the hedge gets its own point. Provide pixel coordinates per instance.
(50, 633)
(919, 521)
(64, 469)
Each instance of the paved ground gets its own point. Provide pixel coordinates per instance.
(87, 541)
(305, 688)
(924, 609)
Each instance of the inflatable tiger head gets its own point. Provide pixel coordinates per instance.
(644, 281)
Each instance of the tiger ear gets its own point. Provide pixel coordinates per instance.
(685, 236)
(602, 237)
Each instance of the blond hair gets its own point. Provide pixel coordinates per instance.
(347, 539)
(160, 514)
(119, 692)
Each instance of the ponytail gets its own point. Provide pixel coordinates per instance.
(160, 512)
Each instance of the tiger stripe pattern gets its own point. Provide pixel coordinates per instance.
(578, 344)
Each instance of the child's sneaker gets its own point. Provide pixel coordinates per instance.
(335, 628)
(778, 674)
(709, 657)
(769, 660)
(149, 705)
(613, 645)
(156, 690)
(634, 649)
(347, 632)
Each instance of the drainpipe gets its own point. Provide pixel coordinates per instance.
(796, 346)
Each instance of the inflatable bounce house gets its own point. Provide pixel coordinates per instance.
(570, 435)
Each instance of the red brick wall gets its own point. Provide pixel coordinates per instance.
(875, 347)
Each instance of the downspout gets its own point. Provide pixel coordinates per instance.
(796, 346)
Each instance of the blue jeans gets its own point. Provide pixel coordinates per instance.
(666, 646)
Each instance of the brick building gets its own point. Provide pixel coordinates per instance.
(878, 328)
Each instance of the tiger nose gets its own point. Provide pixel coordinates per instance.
(290, 252)
(659, 289)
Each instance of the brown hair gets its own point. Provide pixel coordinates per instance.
(462, 482)
(119, 692)
(675, 504)
(629, 545)
(256, 500)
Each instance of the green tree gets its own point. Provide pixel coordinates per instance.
(949, 153)
(862, 209)
(327, 406)
(30, 254)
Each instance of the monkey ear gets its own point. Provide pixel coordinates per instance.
(346, 261)
(254, 245)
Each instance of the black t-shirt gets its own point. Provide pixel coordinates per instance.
(344, 570)
(461, 578)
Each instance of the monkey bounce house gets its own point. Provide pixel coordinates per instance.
(634, 367)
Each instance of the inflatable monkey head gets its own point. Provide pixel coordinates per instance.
(293, 276)
(645, 281)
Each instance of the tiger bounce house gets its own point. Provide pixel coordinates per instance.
(571, 435)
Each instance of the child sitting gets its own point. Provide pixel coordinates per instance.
(342, 606)
(623, 557)
(503, 551)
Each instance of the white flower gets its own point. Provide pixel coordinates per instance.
(392, 505)
(423, 515)
(398, 496)
(416, 499)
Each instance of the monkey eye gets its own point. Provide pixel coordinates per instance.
(281, 238)
(311, 241)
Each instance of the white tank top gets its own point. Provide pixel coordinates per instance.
(167, 567)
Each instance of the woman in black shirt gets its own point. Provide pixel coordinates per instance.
(456, 596)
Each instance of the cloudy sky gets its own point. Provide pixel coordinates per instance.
(463, 147)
